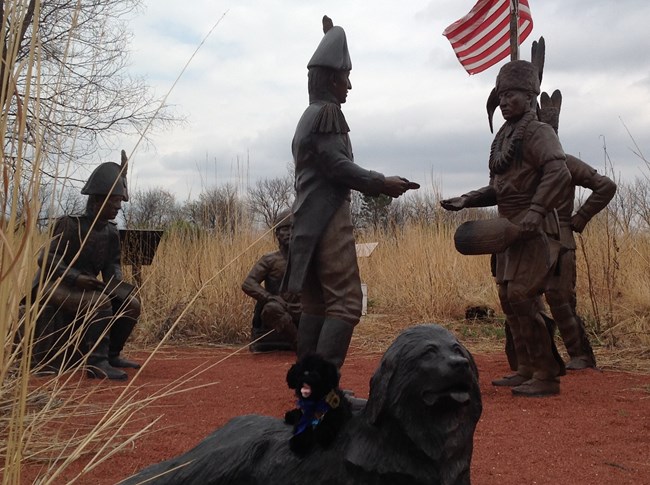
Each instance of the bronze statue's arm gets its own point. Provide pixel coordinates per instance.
(53, 262)
(335, 164)
(555, 181)
(483, 197)
(252, 284)
(602, 191)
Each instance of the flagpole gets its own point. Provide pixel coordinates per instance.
(514, 30)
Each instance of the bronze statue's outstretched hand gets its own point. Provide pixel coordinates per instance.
(411, 185)
(395, 186)
(453, 204)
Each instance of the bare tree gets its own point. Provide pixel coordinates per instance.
(622, 206)
(423, 208)
(218, 208)
(70, 202)
(270, 196)
(81, 92)
(641, 195)
(154, 208)
(374, 211)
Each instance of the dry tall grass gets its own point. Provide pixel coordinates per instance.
(17, 250)
(206, 270)
(414, 275)
(43, 420)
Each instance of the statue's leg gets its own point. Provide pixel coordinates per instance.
(309, 331)
(574, 336)
(333, 345)
(334, 340)
(96, 342)
(121, 329)
(313, 314)
(538, 342)
(92, 312)
(338, 273)
(561, 297)
(518, 352)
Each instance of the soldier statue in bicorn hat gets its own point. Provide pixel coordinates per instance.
(529, 179)
(82, 248)
(322, 263)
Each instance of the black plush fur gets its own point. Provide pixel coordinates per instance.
(323, 377)
(417, 428)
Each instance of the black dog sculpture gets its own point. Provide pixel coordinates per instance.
(322, 408)
(417, 428)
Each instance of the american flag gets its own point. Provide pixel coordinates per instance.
(482, 37)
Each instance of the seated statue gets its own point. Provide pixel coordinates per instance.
(273, 311)
(82, 247)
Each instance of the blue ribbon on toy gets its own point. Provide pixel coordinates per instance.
(312, 413)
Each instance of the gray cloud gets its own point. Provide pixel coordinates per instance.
(413, 110)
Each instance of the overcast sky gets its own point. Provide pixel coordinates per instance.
(413, 110)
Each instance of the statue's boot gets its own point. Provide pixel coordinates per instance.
(119, 333)
(309, 331)
(580, 362)
(517, 354)
(101, 369)
(511, 380)
(119, 361)
(535, 335)
(537, 388)
(574, 335)
(334, 340)
(356, 403)
(96, 341)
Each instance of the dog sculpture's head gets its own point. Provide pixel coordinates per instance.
(322, 375)
(427, 382)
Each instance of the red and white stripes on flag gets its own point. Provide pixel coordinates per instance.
(482, 37)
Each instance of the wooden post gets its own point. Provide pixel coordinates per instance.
(514, 30)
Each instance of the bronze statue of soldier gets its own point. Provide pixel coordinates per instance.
(529, 179)
(322, 264)
(273, 310)
(83, 247)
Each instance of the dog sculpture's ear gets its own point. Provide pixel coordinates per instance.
(380, 385)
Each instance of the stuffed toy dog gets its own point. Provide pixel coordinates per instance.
(322, 408)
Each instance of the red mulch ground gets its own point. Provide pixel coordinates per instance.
(597, 431)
